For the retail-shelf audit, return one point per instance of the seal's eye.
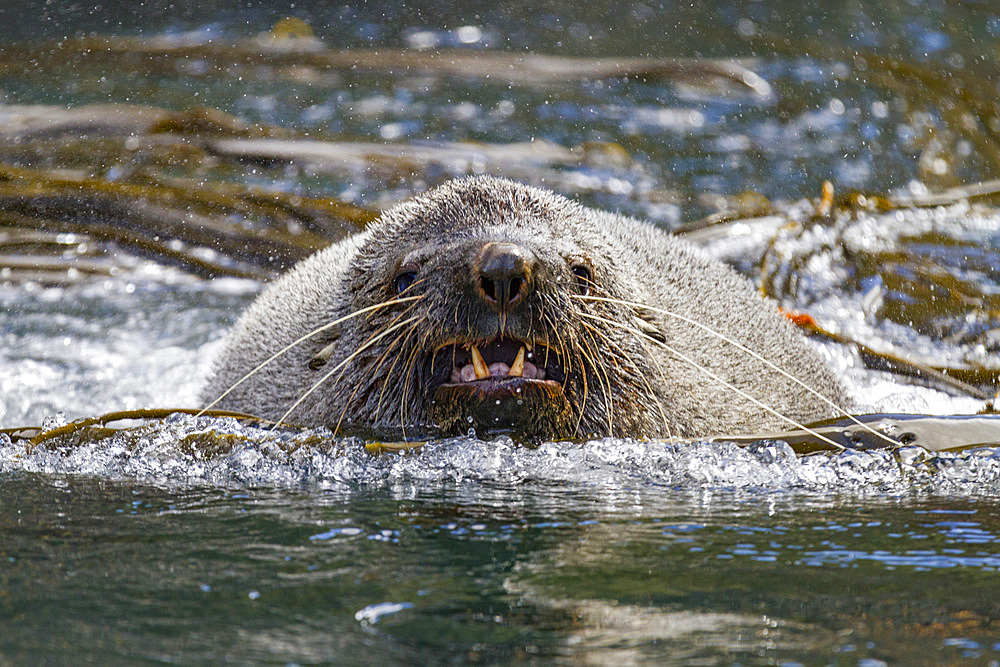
(584, 279)
(404, 280)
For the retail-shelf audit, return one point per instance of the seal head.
(500, 307)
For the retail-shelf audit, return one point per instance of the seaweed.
(200, 444)
(241, 58)
(252, 234)
(939, 434)
(148, 181)
(908, 262)
(34, 436)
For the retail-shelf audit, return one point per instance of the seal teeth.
(479, 364)
(517, 368)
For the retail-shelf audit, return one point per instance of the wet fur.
(620, 381)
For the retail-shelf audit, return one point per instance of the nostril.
(514, 288)
(504, 273)
(493, 294)
(489, 288)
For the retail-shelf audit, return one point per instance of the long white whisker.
(602, 377)
(406, 385)
(645, 380)
(386, 375)
(374, 371)
(752, 353)
(304, 338)
(333, 370)
(718, 379)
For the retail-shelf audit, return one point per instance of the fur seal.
(493, 305)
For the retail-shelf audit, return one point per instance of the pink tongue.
(499, 368)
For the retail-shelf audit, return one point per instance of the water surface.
(207, 541)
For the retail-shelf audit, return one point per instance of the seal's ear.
(642, 323)
(323, 356)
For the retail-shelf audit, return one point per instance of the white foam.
(184, 451)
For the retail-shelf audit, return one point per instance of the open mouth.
(499, 385)
(497, 360)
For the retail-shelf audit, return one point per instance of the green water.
(144, 549)
(489, 572)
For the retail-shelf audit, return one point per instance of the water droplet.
(469, 34)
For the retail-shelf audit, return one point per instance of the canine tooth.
(479, 364)
(517, 368)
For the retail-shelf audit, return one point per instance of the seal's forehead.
(479, 206)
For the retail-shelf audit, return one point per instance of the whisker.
(718, 379)
(749, 351)
(343, 363)
(566, 358)
(304, 338)
(602, 376)
(406, 387)
(395, 340)
(645, 380)
(545, 362)
(378, 365)
(388, 374)
(586, 393)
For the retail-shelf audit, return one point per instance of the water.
(490, 553)
(199, 540)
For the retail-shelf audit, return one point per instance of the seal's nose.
(504, 273)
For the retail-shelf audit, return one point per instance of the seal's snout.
(505, 271)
